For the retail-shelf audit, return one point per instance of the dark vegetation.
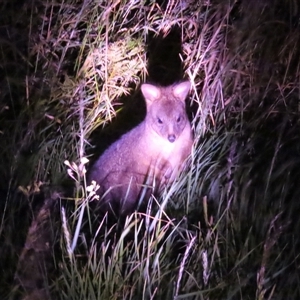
(228, 228)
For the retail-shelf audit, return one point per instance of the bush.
(228, 227)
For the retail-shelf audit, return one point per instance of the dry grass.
(228, 227)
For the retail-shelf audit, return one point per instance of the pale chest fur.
(161, 156)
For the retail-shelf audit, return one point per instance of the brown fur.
(151, 154)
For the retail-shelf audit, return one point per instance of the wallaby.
(149, 156)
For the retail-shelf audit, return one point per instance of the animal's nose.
(171, 138)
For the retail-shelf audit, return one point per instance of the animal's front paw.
(168, 174)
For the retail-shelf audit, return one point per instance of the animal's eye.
(159, 121)
(178, 119)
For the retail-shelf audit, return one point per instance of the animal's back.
(149, 155)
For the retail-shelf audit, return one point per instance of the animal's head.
(166, 113)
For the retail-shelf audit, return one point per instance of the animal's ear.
(150, 92)
(181, 90)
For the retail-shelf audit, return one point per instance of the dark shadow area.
(164, 64)
(18, 211)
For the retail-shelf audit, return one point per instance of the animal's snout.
(171, 138)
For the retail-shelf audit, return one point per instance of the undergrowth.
(228, 227)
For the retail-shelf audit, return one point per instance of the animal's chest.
(162, 152)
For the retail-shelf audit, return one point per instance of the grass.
(228, 227)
